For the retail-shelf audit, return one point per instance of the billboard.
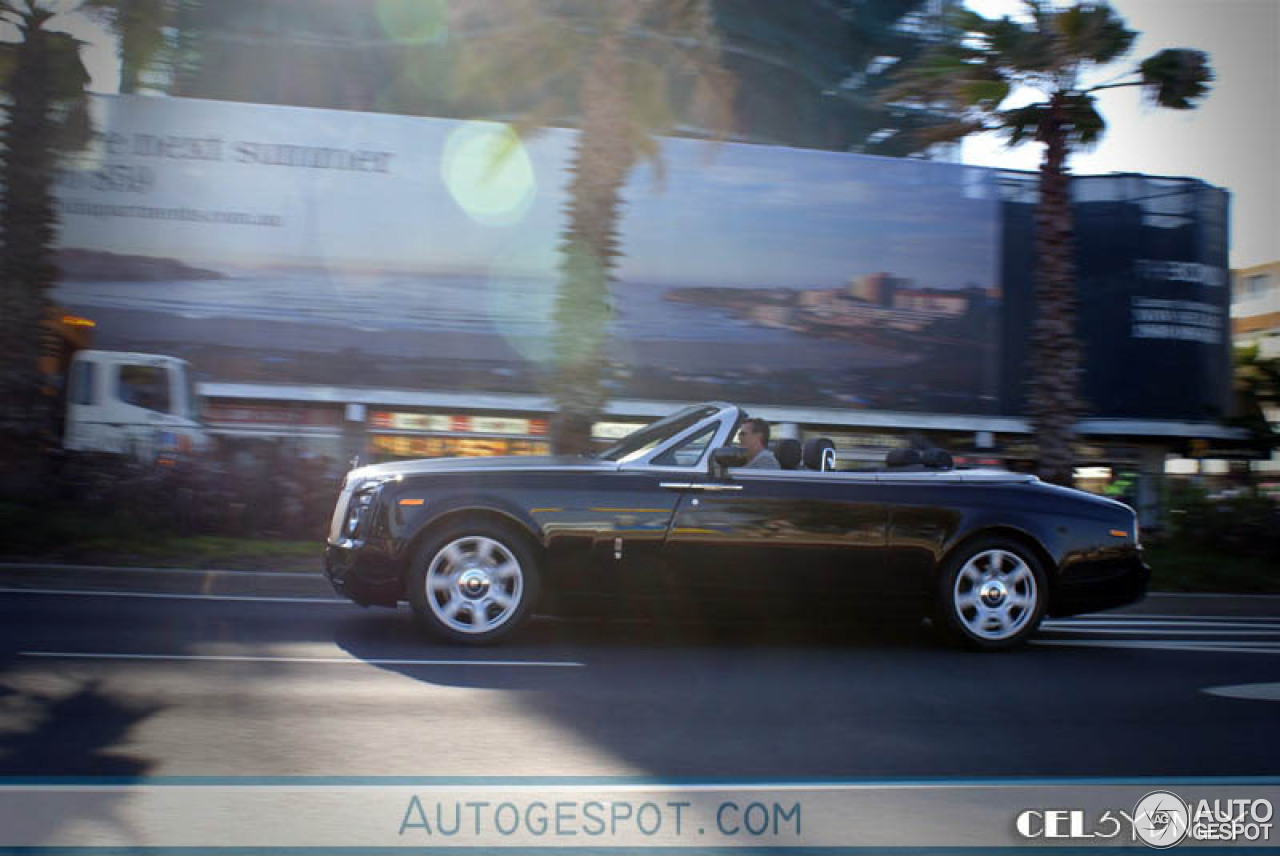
(1154, 295)
(301, 246)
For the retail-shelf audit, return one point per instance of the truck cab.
(143, 405)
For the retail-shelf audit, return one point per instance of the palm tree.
(1054, 52)
(622, 73)
(42, 83)
(1256, 385)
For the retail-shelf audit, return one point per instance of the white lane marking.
(1180, 631)
(1184, 621)
(1163, 594)
(250, 658)
(174, 596)
(1253, 692)
(1163, 645)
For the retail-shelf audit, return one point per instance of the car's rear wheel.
(992, 595)
(473, 582)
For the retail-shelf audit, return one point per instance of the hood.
(1086, 497)
(510, 463)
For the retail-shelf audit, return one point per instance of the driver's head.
(754, 435)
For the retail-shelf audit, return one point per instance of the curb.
(175, 581)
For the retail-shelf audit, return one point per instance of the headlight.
(357, 510)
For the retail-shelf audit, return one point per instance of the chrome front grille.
(339, 514)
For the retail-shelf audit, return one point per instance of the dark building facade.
(1154, 301)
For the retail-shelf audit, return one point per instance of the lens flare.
(521, 294)
(489, 173)
(414, 21)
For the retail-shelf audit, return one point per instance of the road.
(202, 674)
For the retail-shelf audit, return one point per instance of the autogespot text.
(598, 819)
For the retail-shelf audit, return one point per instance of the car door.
(798, 536)
(626, 514)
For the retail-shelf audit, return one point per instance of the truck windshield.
(144, 386)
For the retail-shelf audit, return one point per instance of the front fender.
(413, 514)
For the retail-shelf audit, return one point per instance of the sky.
(1232, 140)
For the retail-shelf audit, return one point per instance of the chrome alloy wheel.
(995, 595)
(474, 584)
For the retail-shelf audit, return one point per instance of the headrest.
(819, 454)
(902, 458)
(787, 451)
(938, 459)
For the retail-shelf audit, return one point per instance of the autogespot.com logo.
(1161, 819)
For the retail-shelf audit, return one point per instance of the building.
(1255, 321)
(876, 288)
(1255, 308)
(932, 300)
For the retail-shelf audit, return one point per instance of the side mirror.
(725, 458)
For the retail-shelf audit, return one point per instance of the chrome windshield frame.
(726, 417)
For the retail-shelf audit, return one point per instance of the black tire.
(474, 581)
(992, 595)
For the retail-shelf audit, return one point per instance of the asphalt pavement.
(195, 673)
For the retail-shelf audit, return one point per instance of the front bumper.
(362, 574)
(1101, 585)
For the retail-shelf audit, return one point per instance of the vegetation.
(43, 85)
(1256, 384)
(1218, 543)
(980, 69)
(622, 73)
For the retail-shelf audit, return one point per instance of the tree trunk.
(28, 226)
(601, 161)
(1053, 397)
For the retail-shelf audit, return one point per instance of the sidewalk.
(292, 584)
(163, 580)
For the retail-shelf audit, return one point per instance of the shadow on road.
(783, 701)
(51, 734)
(69, 734)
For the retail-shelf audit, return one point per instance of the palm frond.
(1094, 33)
(8, 56)
(1083, 122)
(70, 77)
(1023, 123)
(1176, 78)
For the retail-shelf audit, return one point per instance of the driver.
(754, 437)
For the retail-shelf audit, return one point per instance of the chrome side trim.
(940, 477)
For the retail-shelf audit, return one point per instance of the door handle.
(715, 488)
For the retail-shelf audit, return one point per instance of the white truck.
(142, 405)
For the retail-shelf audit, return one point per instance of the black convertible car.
(668, 519)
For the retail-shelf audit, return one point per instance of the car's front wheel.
(992, 594)
(473, 582)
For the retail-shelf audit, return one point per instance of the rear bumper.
(1101, 585)
(363, 575)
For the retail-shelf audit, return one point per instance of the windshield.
(640, 442)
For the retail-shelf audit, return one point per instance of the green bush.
(1243, 525)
